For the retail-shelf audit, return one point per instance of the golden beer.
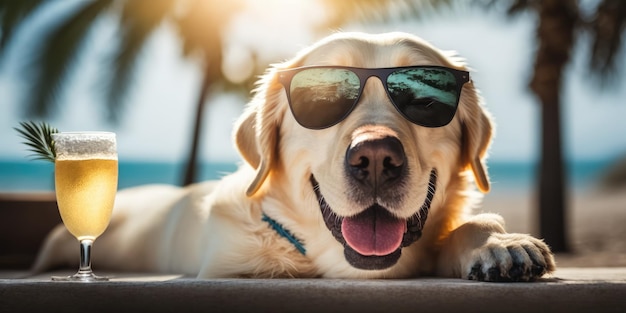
(85, 191)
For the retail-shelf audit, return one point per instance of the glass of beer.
(85, 179)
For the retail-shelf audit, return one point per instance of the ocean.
(26, 176)
(29, 176)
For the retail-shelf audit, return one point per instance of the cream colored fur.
(215, 229)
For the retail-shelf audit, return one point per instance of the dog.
(362, 157)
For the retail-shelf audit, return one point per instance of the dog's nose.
(376, 162)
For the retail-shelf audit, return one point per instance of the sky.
(156, 123)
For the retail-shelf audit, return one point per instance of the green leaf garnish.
(39, 139)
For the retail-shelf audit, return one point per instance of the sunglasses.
(322, 96)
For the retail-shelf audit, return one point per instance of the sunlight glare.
(268, 31)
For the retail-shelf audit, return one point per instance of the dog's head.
(374, 176)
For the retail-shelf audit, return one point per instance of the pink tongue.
(373, 232)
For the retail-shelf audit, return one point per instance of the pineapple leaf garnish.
(38, 138)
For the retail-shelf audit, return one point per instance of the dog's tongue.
(373, 232)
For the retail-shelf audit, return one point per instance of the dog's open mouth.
(373, 239)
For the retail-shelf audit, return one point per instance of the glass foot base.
(81, 277)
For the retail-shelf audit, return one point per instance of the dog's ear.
(245, 138)
(257, 130)
(477, 132)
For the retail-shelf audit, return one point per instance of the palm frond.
(201, 28)
(520, 6)
(512, 8)
(57, 54)
(202, 37)
(607, 28)
(38, 138)
(139, 19)
(12, 14)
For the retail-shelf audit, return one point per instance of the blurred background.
(171, 76)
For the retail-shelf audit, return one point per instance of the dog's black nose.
(376, 163)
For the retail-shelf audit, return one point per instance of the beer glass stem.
(85, 257)
(84, 273)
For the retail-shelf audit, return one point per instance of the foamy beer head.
(85, 145)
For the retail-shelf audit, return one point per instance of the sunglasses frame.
(285, 77)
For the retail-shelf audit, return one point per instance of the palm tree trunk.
(192, 166)
(555, 34)
(552, 186)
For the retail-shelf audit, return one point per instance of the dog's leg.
(481, 250)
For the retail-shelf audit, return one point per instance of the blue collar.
(285, 233)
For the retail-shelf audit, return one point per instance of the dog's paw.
(510, 258)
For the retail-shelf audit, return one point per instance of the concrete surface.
(569, 290)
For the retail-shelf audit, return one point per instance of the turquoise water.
(39, 175)
(27, 175)
(513, 175)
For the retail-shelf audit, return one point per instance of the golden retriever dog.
(362, 157)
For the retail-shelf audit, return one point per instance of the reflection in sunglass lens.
(322, 97)
(426, 96)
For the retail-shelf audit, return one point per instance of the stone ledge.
(569, 290)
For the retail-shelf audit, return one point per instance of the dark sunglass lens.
(321, 97)
(426, 96)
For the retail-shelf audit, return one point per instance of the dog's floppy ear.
(477, 133)
(245, 137)
(257, 130)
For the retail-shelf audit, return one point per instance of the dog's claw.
(517, 273)
(476, 273)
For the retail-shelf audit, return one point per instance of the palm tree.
(555, 34)
(561, 24)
